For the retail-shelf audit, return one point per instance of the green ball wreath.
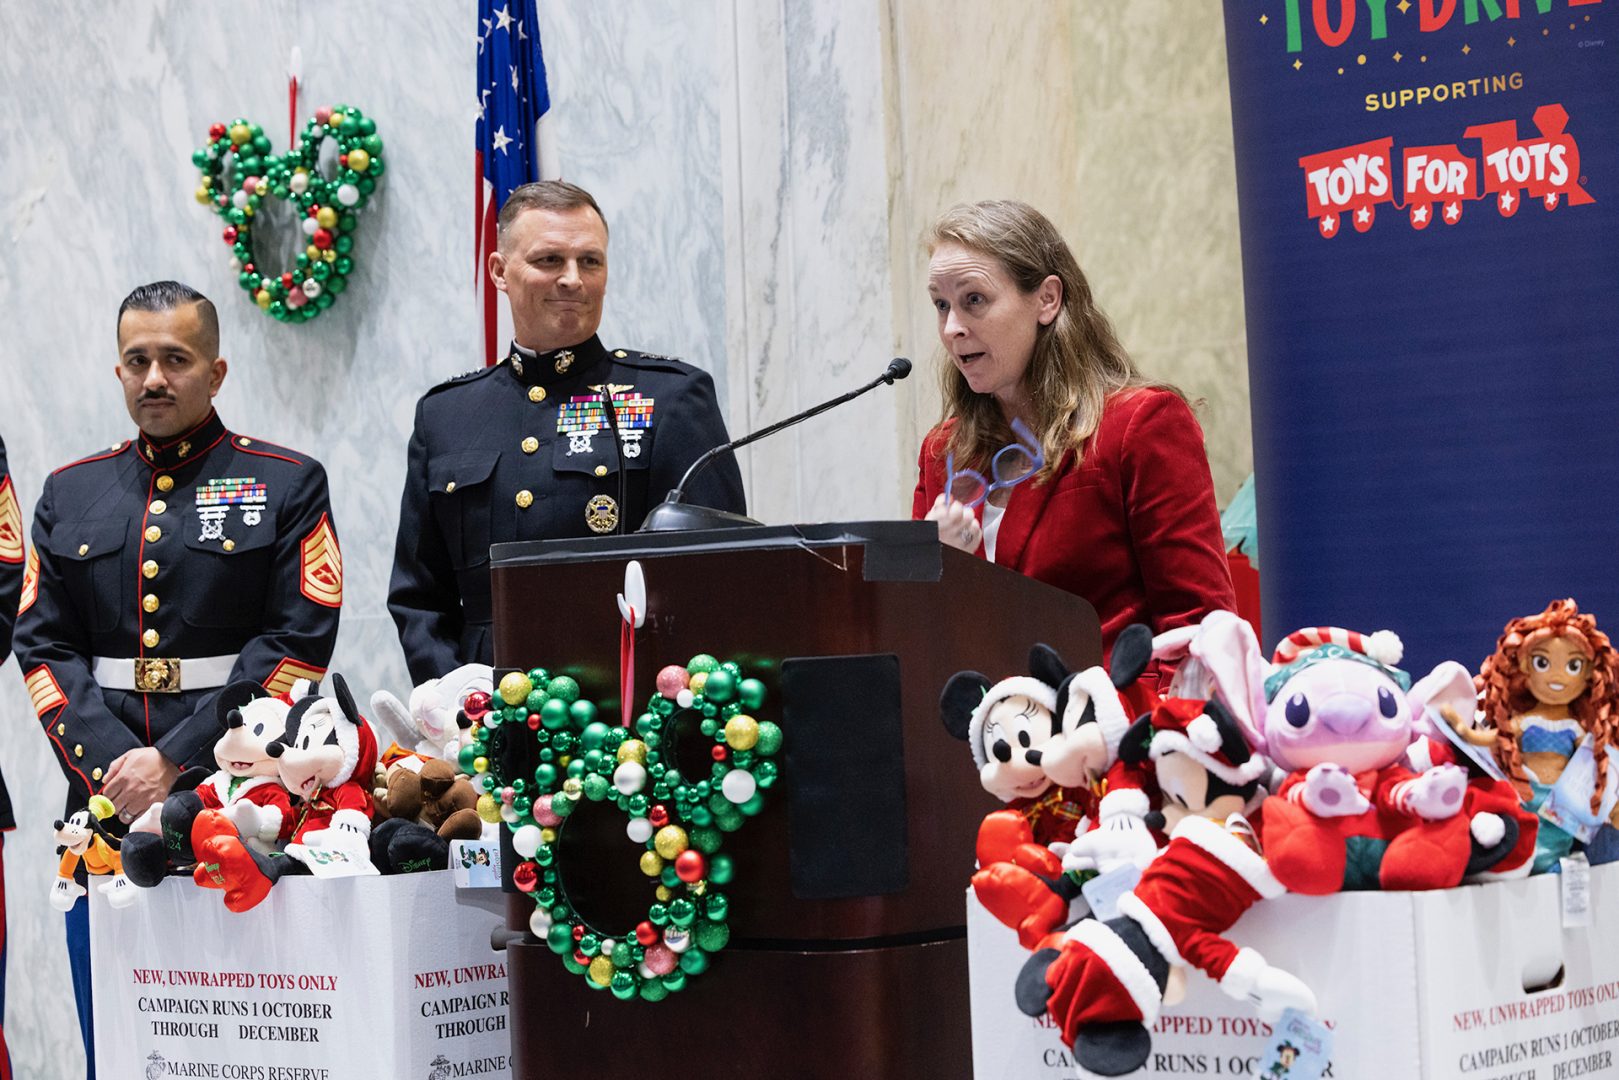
(678, 821)
(239, 172)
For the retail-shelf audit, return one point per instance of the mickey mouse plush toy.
(1047, 745)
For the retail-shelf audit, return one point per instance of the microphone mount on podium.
(674, 514)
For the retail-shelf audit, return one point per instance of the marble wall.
(767, 170)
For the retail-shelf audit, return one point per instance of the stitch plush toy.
(1044, 743)
(1351, 814)
(84, 843)
(325, 756)
(244, 790)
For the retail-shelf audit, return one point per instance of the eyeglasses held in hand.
(1011, 465)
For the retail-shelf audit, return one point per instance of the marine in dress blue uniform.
(526, 450)
(13, 557)
(159, 573)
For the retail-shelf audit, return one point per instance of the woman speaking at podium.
(1055, 456)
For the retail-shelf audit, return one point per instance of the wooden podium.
(848, 944)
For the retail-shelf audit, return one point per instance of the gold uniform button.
(153, 534)
(449, 488)
(78, 751)
(159, 506)
(61, 729)
(165, 483)
(536, 394)
(149, 569)
(601, 470)
(229, 545)
(84, 549)
(530, 445)
(244, 442)
(620, 353)
(149, 603)
(525, 499)
(150, 639)
(95, 774)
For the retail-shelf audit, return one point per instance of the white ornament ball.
(239, 200)
(639, 830)
(313, 288)
(526, 841)
(508, 815)
(311, 226)
(685, 698)
(677, 939)
(348, 194)
(739, 785)
(236, 264)
(540, 921)
(629, 778)
(299, 183)
(646, 972)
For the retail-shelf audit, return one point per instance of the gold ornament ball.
(572, 787)
(741, 732)
(670, 841)
(601, 971)
(359, 160)
(548, 836)
(651, 865)
(632, 750)
(202, 195)
(698, 681)
(313, 252)
(262, 187)
(480, 764)
(326, 217)
(515, 688)
(489, 808)
(247, 211)
(262, 298)
(664, 894)
(240, 133)
(336, 121)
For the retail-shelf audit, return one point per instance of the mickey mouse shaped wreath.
(238, 171)
(678, 821)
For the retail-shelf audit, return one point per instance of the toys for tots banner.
(1429, 196)
(326, 980)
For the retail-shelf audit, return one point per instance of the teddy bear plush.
(421, 805)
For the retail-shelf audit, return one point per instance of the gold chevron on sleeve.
(30, 582)
(11, 543)
(290, 671)
(322, 571)
(45, 691)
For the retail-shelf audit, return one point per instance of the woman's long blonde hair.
(1078, 362)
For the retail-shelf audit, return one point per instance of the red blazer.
(1133, 529)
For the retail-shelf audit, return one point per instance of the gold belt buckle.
(157, 675)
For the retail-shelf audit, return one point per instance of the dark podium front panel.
(847, 952)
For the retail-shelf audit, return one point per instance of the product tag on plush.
(1576, 876)
(476, 864)
(1299, 1049)
(1102, 892)
(331, 862)
(1478, 755)
(1568, 804)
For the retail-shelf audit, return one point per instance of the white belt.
(163, 675)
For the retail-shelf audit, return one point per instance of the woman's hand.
(957, 525)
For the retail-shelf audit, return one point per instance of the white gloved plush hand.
(65, 892)
(1270, 990)
(1116, 841)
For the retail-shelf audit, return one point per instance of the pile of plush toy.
(1327, 769)
(300, 779)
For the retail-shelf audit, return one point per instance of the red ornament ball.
(718, 752)
(689, 866)
(286, 279)
(216, 132)
(476, 706)
(322, 239)
(230, 234)
(646, 933)
(526, 876)
(658, 816)
(578, 932)
(533, 721)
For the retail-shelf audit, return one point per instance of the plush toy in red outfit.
(243, 791)
(325, 756)
(1351, 814)
(1103, 983)
(1047, 744)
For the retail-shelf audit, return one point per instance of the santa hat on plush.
(1044, 664)
(344, 753)
(1317, 644)
(1206, 734)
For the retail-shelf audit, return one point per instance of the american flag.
(514, 143)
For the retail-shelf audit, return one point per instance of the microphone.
(675, 515)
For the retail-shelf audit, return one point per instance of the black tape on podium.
(845, 776)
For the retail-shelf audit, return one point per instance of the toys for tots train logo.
(1347, 185)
